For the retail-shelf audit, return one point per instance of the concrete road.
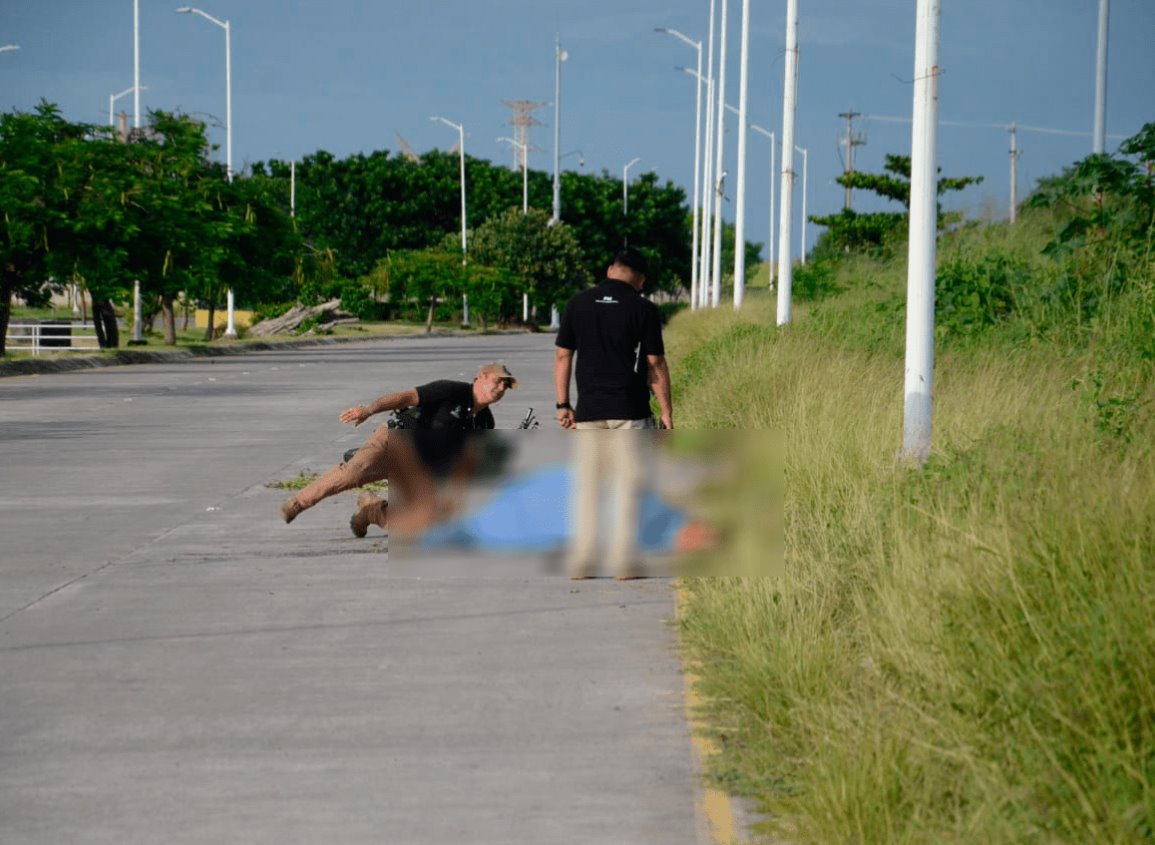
(179, 666)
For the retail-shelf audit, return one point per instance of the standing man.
(616, 335)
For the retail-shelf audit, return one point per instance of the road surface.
(179, 666)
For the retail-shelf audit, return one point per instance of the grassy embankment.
(962, 652)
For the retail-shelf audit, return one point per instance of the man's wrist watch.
(564, 406)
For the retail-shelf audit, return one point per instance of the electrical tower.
(522, 119)
(407, 150)
(850, 140)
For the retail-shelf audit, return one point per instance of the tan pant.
(387, 454)
(611, 456)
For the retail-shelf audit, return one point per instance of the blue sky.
(349, 75)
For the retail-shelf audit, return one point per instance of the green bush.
(815, 280)
(270, 310)
(973, 294)
(358, 300)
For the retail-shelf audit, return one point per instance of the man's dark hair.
(632, 258)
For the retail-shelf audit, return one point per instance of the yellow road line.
(715, 803)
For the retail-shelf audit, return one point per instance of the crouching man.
(431, 443)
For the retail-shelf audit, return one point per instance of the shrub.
(974, 294)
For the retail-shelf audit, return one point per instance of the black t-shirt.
(442, 419)
(613, 328)
(448, 405)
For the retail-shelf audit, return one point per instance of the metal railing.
(51, 336)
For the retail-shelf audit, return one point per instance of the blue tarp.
(531, 514)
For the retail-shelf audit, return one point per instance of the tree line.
(82, 205)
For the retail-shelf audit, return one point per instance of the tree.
(851, 231)
(35, 217)
(362, 208)
(260, 245)
(423, 276)
(177, 232)
(544, 260)
(657, 224)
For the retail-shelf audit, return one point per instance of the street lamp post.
(720, 173)
(112, 98)
(461, 154)
(708, 175)
(770, 242)
(524, 150)
(740, 210)
(559, 56)
(694, 246)
(137, 326)
(625, 186)
(230, 328)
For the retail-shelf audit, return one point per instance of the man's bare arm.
(659, 377)
(389, 402)
(562, 369)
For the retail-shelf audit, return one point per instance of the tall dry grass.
(960, 652)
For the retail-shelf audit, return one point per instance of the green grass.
(304, 478)
(954, 653)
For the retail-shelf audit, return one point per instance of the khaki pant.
(387, 454)
(614, 457)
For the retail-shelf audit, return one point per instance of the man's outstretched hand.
(356, 415)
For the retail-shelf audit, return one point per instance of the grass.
(954, 653)
(304, 478)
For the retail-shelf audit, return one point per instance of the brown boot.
(370, 511)
(290, 509)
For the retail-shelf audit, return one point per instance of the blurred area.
(591, 504)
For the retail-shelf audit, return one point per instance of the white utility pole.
(708, 171)
(805, 167)
(740, 208)
(719, 174)
(919, 381)
(136, 65)
(559, 56)
(293, 188)
(1098, 144)
(786, 218)
(694, 243)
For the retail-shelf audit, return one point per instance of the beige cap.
(499, 370)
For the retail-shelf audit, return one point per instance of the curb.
(41, 366)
